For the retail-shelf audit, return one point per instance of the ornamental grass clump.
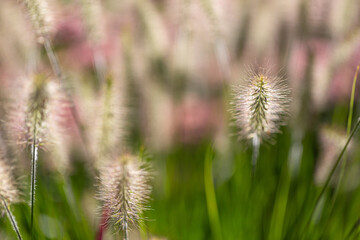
(124, 191)
(260, 107)
(9, 193)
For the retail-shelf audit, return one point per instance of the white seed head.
(261, 104)
(37, 111)
(27, 112)
(40, 15)
(108, 127)
(8, 188)
(125, 190)
(332, 141)
(58, 140)
(93, 19)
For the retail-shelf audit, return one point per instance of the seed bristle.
(260, 105)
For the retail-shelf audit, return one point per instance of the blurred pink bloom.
(69, 30)
(77, 50)
(197, 119)
(343, 77)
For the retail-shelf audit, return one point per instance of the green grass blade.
(343, 164)
(352, 102)
(210, 195)
(324, 188)
(279, 210)
(353, 229)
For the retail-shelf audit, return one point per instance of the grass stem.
(210, 195)
(280, 205)
(255, 153)
(343, 164)
(12, 220)
(34, 158)
(351, 109)
(54, 62)
(126, 230)
(324, 188)
(353, 229)
(352, 102)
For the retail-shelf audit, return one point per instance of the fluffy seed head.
(36, 112)
(260, 105)
(8, 188)
(27, 112)
(108, 127)
(40, 15)
(93, 19)
(332, 141)
(125, 190)
(57, 138)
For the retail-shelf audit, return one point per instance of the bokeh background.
(174, 63)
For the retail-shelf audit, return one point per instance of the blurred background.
(173, 64)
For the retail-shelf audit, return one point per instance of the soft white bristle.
(8, 187)
(261, 103)
(124, 190)
(40, 15)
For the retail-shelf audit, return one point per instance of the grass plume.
(261, 103)
(109, 127)
(42, 21)
(124, 191)
(40, 15)
(35, 123)
(9, 192)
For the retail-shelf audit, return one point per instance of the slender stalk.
(332, 173)
(255, 153)
(54, 62)
(34, 158)
(343, 164)
(210, 195)
(279, 209)
(12, 220)
(352, 101)
(353, 229)
(125, 230)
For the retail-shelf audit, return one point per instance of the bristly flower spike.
(260, 107)
(28, 122)
(9, 193)
(40, 16)
(109, 134)
(37, 109)
(124, 191)
(35, 122)
(8, 189)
